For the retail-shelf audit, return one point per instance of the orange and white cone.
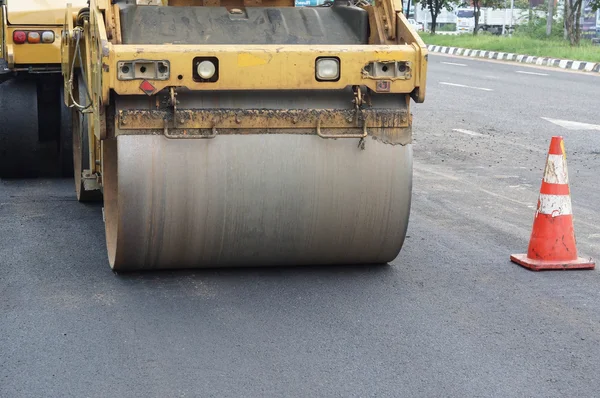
(552, 244)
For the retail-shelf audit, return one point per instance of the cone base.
(540, 265)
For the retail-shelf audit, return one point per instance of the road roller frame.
(392, 64)
(35, 133)
(393, 42)
(28, 16)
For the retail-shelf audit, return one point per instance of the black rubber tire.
(19, 137)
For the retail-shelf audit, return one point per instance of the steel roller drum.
(254, 200)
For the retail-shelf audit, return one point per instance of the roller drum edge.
(254, 200)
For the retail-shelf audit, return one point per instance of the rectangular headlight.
(327, 69)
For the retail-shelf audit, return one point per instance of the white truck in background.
(490, 20)
(444, 18)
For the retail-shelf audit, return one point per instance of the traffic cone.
(552, 244)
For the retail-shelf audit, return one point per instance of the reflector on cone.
(552, 244)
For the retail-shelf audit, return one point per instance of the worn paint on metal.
(266, 189)
(288, 67)
(40, 12)
(387, 125)
(35, 15)
(284, 68)
(136, 119)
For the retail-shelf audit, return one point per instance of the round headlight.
(206, 69)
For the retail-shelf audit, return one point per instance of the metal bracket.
(173, 103)
(358, 98)
(185, 134)
(5, 72)
(358, 102)
(4, 66)
(90, 181)
(320, 134)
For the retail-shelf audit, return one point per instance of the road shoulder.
(553, 63)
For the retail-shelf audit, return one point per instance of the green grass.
(553, 48)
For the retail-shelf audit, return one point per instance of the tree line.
(571, 13)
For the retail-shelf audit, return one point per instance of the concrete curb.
(526, 59)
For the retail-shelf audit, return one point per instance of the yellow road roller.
(35, 126)
(225, 133)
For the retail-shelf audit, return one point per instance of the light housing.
(48, 37)
(327, 69)
(33, 37)
(143, 70)
(205, 69)
(19, 37)
(394, 70)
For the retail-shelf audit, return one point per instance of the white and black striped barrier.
(526, 59)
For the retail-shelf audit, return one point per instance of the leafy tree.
(435, 7)
(540, 25)
(477, 4)
(549, 16)
(572, 20)
(477, 14)
(522, 4)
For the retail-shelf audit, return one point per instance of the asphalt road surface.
(451, 316)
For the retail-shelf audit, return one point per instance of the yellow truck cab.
(35, 126)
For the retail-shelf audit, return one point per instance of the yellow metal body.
(242, 67)
(33, 15)
(265, 67)
(260, 67)
(171, 203)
